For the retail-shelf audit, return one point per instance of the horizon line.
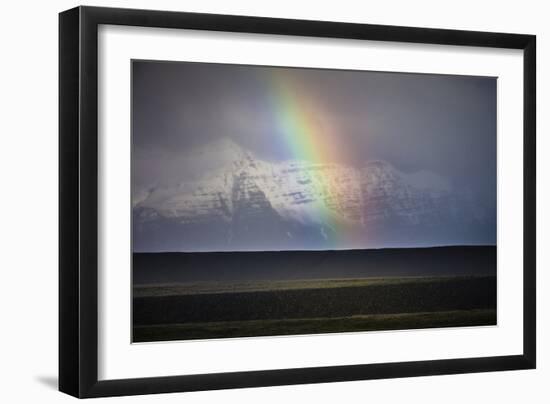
(316, 250)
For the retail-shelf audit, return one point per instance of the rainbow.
(308, 138)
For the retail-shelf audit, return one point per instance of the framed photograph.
(251, 201)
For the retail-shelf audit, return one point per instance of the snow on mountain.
(246, 193)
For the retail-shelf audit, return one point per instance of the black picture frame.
(78, 201)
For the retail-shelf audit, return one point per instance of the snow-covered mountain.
(248, 203)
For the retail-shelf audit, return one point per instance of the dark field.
(373, 322)
(171, 268)
(174, 313)
(202, 308)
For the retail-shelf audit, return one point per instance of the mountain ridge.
(299, 202)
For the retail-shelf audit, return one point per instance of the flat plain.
(208, 310)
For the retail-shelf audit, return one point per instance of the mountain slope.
(248, 203)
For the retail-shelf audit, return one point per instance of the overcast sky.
(439, 123)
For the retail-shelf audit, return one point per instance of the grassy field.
(194, 288)
(372, 322)
(205, 310)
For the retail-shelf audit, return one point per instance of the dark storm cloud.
(439, 123)
(445, 124)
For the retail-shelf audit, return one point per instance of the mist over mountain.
(229, 157)
(242, 202)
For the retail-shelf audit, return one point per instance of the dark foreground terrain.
(178, 306)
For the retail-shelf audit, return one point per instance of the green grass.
(195, 288)
(373, 322)
(208, 310)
